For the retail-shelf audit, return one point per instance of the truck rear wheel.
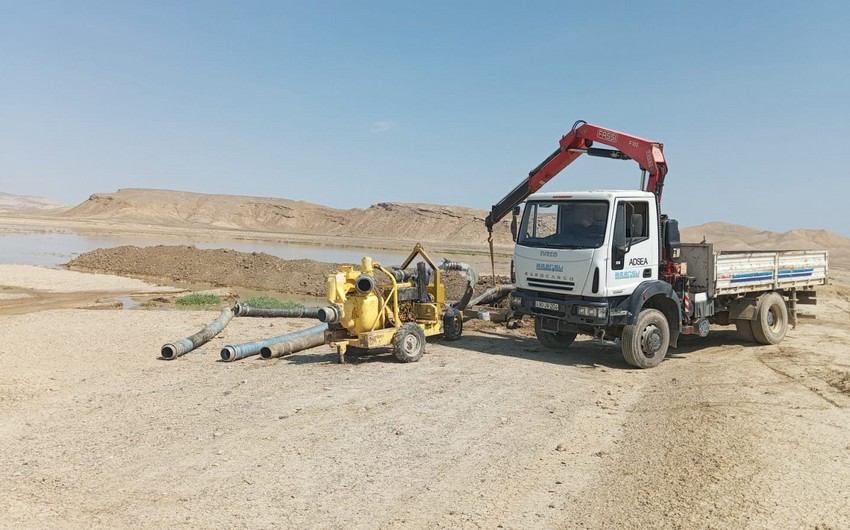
(771, 321)
(555, 341)
(646, 341)
(745, 330)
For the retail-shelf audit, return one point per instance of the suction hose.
(471, 279)
(297, 341)
(492, 294)
(173, 350)
(244, 310)
(240, 351)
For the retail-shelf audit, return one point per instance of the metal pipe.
(175, 349)
(492, 294)
(364, 283)
(235, 352)
(244, 310)
(300, 340)
(330, 315)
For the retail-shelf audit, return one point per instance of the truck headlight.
(592, 312)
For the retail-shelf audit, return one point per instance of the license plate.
(551, 306)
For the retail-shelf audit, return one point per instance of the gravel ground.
(489, 431)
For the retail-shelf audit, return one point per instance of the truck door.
(634, 246)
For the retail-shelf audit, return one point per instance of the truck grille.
(551, 284)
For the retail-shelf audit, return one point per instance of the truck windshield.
(565, 224)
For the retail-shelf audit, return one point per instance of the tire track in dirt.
(727, 441)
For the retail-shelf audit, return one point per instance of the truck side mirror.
(514, 228)
(637, 225)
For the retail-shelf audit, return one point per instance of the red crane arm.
(648, 154)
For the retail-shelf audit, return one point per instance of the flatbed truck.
(609, 264)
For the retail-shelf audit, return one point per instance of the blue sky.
(349, 104)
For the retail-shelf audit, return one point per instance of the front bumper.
(573, 310)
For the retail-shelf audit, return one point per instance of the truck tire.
(771, 321)
(745, 330)
(409, 343)
(555, 341)
(646, 341)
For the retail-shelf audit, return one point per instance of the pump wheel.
(409, 343)
(646, 341)
(554, 341)
(745, 330)
(452, 324)
(771, 321)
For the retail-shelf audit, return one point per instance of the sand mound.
(226, 268)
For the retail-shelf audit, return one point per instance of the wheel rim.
(411, 344)
(651, 340)
(772, 319)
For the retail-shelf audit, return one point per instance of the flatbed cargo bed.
(721, 273)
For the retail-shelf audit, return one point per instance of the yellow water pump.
(400, 312)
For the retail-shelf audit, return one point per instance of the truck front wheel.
(771, 321)
(646, 341)
(555, 341)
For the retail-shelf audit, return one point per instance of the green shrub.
(198, 299)
(268, 301)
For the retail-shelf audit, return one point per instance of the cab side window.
(631, 226)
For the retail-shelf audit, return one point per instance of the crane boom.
(648, 154)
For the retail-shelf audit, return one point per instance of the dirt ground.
(490, 431)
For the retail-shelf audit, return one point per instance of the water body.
(57, 248)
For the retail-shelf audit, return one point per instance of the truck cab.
(588, 262)
(591, 244)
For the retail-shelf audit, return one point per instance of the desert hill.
(388, 220)
(726, 236)
(9, 201)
